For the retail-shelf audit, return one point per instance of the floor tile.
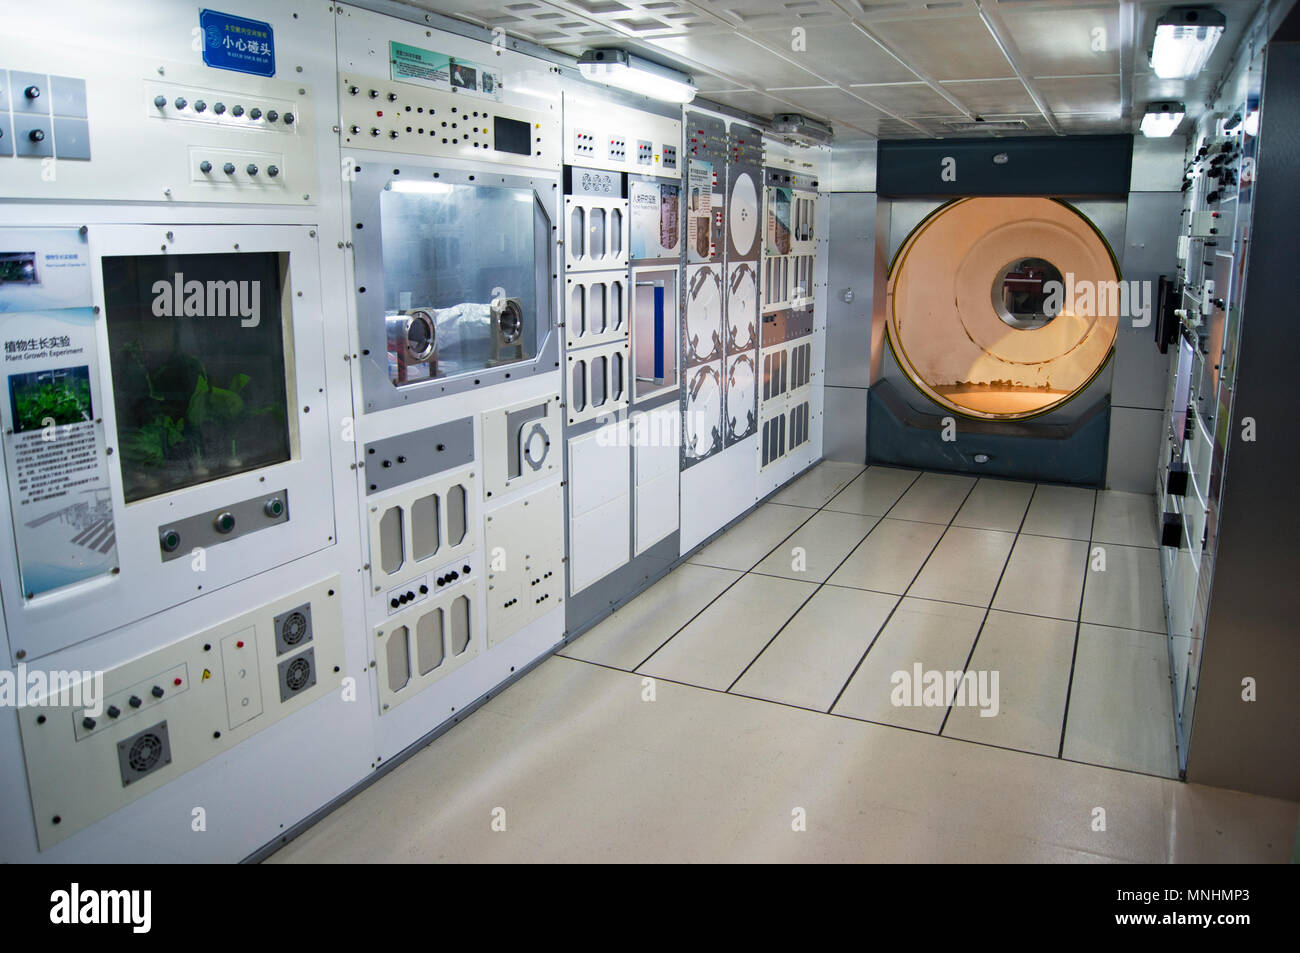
(819, 484)
(1044, 577)
(933, 498)
(627, 637)
(713, 649)
(964, 567)
(995, 504)
(937, 635)
(752, 538)
(1125, 518)
(890, 557)
(1031, 657)
(1128, 593)
(588, 771)
(874, 491)
(1121, 710)
(815, 654)
(1064, 511)
(824, 540)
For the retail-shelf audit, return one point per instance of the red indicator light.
(177, 682)
(239, 644)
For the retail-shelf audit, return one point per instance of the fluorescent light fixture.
(622, 69)
(1162, 119)
(1252, 123)
(1185, 39)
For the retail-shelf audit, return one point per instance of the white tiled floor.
(582, 768)
(777, 689)
(1033, 581)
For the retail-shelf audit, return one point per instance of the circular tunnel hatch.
(1003, 308)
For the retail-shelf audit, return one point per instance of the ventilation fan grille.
(1007, 125)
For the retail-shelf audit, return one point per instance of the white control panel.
(525, 545)
(401, 117)
(602, 135)
(123, 127)
(166, 712)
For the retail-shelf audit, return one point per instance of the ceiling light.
(1162, 119)
(1185, 38)
(802, 130)
(636, 75)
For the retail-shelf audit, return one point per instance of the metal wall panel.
(845, 434)
(851, 259)
(1251, 629)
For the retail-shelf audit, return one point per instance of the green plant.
(151, 443)
(63, 402)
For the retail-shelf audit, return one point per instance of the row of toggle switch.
(229, 168)
(254, 113)
(135, 701)
(398, 600)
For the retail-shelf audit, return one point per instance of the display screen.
(511, 135)
(198, 359)
(461, 266)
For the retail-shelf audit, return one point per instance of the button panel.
(417, 590)
(399, 117)
(141, 696)
(215, 107)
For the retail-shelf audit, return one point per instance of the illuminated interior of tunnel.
(1003, 308)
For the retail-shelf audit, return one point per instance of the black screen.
(512, 136)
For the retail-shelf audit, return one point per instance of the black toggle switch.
(113, 711)
(134, 701)
(88, 723)
(156, 691)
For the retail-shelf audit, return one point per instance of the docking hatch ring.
(1003, 308)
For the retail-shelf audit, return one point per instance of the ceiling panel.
(840, 54)
(947, 48)
(907, 99)
(992, 95)
(760, 104)
(1065, 41)
(1080, 94)
(733, 56)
